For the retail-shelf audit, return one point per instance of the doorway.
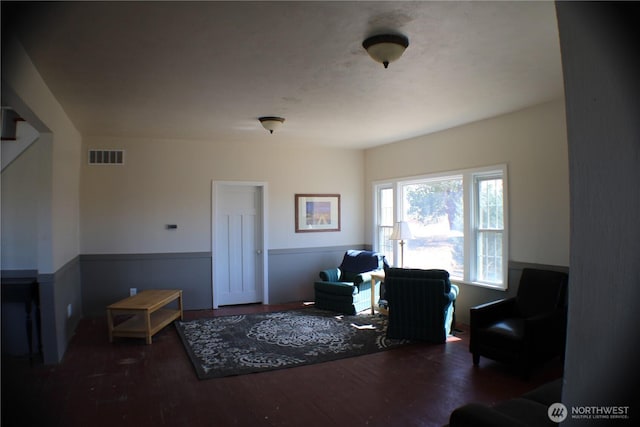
(239, 261)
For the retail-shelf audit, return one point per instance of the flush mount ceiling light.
(271, 123)
(385, 48)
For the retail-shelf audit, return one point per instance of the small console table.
(377, 276)
(148, 311)
(25, 290)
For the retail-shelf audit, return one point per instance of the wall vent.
(106, 157)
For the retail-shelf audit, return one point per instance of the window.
(458, 221)
(489, 228)
(385, 222)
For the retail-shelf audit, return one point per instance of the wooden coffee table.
(148, 311)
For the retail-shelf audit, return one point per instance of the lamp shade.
(385, 48)
(401, 231)
(271, 123)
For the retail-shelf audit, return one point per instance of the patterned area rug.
(236, 345)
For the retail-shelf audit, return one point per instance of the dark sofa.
(530, 409)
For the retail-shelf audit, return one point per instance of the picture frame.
(317, 212)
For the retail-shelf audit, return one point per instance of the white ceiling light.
(271, 123)
(385, 48)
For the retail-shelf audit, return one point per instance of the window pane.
(490, 204)
(435, 213)
(490, 230)
(490, 256)
(385, 226)
(386, 245)
(386, 207)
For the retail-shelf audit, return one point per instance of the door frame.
(216, 187)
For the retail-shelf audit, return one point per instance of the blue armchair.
(347, 288)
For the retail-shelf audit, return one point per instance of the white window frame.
(377, 214)
(470, 200)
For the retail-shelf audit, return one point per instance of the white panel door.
(238, 261)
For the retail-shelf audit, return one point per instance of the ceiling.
(208, 70)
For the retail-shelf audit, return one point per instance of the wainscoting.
(108, 278)
(293, 271)
(89, 283)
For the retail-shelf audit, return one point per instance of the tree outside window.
(435, 211)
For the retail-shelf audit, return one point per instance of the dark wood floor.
(129, 383)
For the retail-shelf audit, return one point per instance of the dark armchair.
(529, 409)
(347, 288)
(421, 304)
(525, 330)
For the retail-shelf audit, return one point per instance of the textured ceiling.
(208, 70)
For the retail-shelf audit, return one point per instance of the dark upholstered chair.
(529, 409)
(347, 288)
(421, 304)
(525, 330)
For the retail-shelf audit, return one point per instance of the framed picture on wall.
(317, 212)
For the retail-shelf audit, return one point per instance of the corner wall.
(601, 69)
(533, 144)
(57, 217)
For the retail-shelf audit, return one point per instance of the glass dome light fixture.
(385, 48)
(271, 123)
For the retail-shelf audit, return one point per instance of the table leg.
(110, 324)
(38, 324)
(148, 322)
(27, 309)
(373, 295)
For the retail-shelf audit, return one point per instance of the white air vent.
(106, 157)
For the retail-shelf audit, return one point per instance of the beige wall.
(21, 186)
(125, 209)
(531, 142)
(58, 211)
(56, 158)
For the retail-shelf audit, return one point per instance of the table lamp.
(402, 232)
